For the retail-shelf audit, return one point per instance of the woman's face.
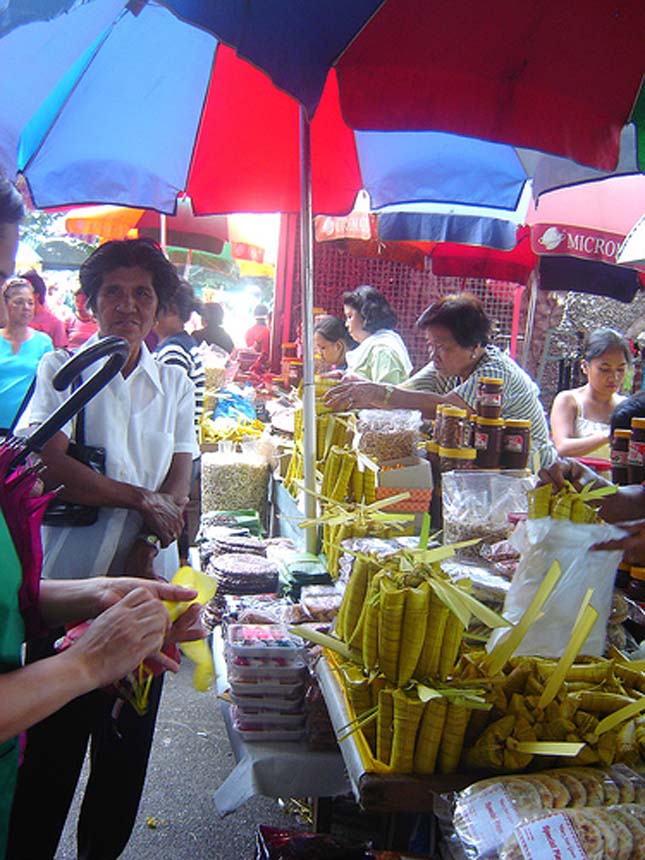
(354, 323)
(20, 306)
(331, 351)
(126, 304)
(606, 372)
(449, 357)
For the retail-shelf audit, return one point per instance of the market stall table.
(272, 769)
(374, 792)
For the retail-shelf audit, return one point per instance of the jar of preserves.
(516, 443)
(456, 458)
(453, 420)
(437, 423)
(488, 442)
(489, 397)
(619, 456)
(636, 453)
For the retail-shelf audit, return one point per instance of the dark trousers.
(56, 747)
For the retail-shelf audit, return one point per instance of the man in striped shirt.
(457, 330)
(177, 347)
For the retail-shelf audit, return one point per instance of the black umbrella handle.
(117, 348)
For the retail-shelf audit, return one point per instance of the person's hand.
(163, 515)
(354, 395)
(111, 589)
(188, 626)
(573, 471)
(122, 636)
(632, 545)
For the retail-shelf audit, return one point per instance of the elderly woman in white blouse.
(144, 418)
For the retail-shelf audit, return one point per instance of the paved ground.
(191, 757)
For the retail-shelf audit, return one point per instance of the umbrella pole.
(530, 318)
(307, 288)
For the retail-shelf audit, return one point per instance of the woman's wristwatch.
(389, 391)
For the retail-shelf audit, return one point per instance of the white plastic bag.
(541, 542)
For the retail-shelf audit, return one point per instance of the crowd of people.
(145, 421)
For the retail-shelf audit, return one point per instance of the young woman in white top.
(580, 417)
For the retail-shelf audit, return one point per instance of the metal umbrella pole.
(307, 291)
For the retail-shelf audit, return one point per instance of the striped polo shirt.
(521, 399)
(182, 350)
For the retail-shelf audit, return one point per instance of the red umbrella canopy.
(562, 77)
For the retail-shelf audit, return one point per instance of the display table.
(272, 769)
(376, 792)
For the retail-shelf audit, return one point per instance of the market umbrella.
(632, 250)
(206, 233)
(559, 77)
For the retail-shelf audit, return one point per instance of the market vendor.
(457, 331)
(381, 355)
(332, 342)
(580, 416)
(144, 419)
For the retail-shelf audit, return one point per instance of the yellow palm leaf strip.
(407, 713)
(428, 663)
(357, 483)
(587, 617)
(384, 726)
(321, 434)
(359, 695)
(631, 678)
(619, 716)
(452, 639)
(341, 533)
(369, 486)
(452, 740)
(340, 432)
(331, 470)
(339, 491)
(353, 599)
(429, 735)
(501, 653)
(326, 641)
(371, 624)
(377, 683)
(413, 630)
(391, 608)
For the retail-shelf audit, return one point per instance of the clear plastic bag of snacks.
(388, 434)
(478, 821)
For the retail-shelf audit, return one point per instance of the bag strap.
(79, 423)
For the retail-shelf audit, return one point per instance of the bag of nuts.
(388, 434)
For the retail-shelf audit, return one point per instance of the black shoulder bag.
(69, 514)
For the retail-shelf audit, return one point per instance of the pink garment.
(45, 321)
(79, 331)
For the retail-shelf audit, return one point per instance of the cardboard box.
(412, 473)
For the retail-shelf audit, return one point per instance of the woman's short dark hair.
(333, 329)
(602, 339)
(128, 253)
(40, 287)
(463, 315)
(373, 307)
(12, 209)
(213, 313)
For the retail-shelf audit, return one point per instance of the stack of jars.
(485, 440)
(628, 454)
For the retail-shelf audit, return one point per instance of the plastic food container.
(253, 730)
(244, 688)
(263, 640)
(253, 719)
(270, 669)
(288, 703)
